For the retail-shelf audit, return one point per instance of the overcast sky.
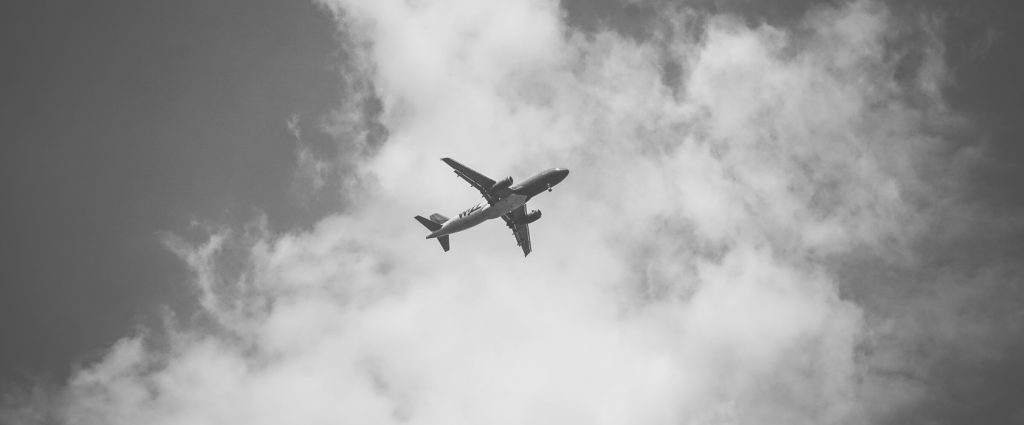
(778, 212)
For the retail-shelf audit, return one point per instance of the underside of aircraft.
(501, 199)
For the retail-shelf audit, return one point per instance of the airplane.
(501, 199)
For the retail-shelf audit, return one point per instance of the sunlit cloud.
(689, 270)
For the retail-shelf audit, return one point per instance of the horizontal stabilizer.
(444, 242)
(431, 225)
(438, 218)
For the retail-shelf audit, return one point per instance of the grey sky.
(127, 121)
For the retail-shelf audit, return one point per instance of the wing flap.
(479, 181)
(520, 231)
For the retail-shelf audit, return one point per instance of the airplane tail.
(433, 224)
(430, 225)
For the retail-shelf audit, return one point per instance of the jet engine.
(503, 184)
(531, 217)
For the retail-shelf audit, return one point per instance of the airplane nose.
(557, 175)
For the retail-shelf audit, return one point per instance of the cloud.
(705, 262)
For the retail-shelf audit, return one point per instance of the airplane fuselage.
(518, 196)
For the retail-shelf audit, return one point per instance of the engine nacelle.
(531, 217)
(504, 184)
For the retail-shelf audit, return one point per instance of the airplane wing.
(520, 231)
(475, 179)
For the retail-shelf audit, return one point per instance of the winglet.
(455, 164)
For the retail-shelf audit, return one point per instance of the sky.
(778, 212)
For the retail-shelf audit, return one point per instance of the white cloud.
(683, 273)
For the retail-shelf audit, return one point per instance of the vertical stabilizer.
(434, 225)
(430, 225)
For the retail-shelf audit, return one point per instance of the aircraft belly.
(463, 223)
(505, 205)
(500, 208)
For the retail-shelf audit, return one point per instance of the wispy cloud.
(709, 260)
